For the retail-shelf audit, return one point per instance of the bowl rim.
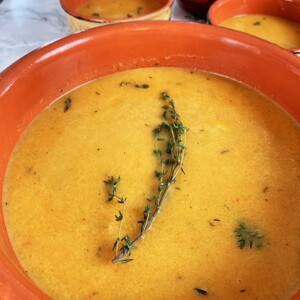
(95, 20)
(52, 48)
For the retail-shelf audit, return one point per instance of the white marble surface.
(29, 24)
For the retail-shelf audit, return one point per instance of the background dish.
(79, 22)
(52, 71)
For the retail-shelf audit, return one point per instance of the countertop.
(30, 24)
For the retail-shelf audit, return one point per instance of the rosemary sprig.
(170, 138)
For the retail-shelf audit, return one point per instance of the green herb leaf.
(247, 236)
(142, 86)
(68, 103)
(116, 243)
(124, 83)
(125, 261)
(201, 292)
(113, 184)
(166, 96)
(157, 153)
(119, 217)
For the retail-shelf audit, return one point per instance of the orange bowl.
(32, 83)
(222, 10)
(79, 22)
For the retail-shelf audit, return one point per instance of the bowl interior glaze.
(32, 83)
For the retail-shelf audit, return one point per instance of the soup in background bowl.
(82, 14)
(33, 83)
(274, 21)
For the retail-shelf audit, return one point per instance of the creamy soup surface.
(241, 173)
(277, 30)
(118, 9)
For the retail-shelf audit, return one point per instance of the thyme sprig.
(170, 139)
(113, 184)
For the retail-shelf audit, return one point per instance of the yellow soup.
(118, 9)
(279, 31)
(229, 227)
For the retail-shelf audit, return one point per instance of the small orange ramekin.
(78, 22)
(222, 10)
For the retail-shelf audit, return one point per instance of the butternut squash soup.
(118, 9)
(277, 30)
(160, 183)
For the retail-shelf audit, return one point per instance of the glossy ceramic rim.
(100, 51)
(70, 11)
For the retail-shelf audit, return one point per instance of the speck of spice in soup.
(228, 225)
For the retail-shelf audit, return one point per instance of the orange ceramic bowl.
(31, 84)
(222, 10)
(80, 22)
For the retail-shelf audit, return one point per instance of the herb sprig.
(113, 184)
(170, 139)
(248, 236)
